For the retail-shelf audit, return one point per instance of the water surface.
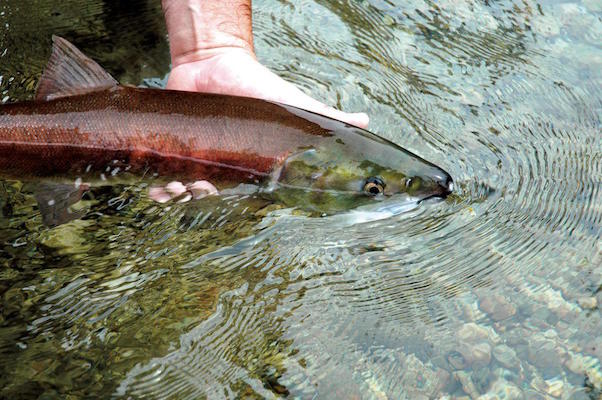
(494, 292)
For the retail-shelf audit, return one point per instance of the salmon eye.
(374, 185)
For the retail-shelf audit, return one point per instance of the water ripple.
(232, 297)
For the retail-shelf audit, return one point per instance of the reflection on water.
(495, 291)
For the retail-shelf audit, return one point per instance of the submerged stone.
(506, 356)
(497, 307)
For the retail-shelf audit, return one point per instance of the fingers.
(180, 192)
(159, 194)
(200, 189)
(360, 120)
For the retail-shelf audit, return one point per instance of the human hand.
(236, 71)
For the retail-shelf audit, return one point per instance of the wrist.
(199, 29)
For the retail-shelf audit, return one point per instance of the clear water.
(494, 292)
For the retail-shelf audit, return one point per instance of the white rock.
(587, 302)
(554, 387)
(502, 389)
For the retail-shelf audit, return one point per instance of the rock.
(578, 363)
(477, 355)
(68, 238)
(506, 356)
(565, 330)
(267, 209)
(375, 389)
(587, 303)
(554, 387)
(594, 375)
(497, 307)
(557, 304)
(517, 336)
(542, 353)
(456, 360)
(388, 20)
(467, 385)
(502, 389)
(420, 380)
(481, 379)
(442, 379)
(472, 332)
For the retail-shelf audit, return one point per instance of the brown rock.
(543, 353)
(497, 307)
(476, 354)
(587, 303)
(506, 356)
(472, 332)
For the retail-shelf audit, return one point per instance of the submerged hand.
(236, 71)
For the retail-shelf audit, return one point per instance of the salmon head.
(354, 167)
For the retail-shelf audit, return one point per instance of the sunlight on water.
(495, 291)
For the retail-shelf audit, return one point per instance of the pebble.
(472, 332)
(554, 387)
(506, 356)
(467, 384)
(587, 303)
(497, 307)
(557, 304)
(388, 20)
(477, 355)
(420, 380)
(376, 390)
(267, 209)
(578, 363)
(594, 375)
(502, 389)
(456, 360)
(542, 353)
(481, 378)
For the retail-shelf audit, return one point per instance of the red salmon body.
(175, 134)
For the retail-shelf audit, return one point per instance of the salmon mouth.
(448, 187)
(445, 187)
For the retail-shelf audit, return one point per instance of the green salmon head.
(353, 168)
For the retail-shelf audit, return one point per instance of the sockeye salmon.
(83, 123)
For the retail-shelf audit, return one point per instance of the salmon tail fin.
(69, 72)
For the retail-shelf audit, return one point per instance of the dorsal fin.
(69, 72)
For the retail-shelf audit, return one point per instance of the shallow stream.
(494, 292)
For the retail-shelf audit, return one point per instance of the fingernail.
(361, 120)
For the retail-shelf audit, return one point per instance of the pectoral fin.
(69, 72)
(55, 201)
